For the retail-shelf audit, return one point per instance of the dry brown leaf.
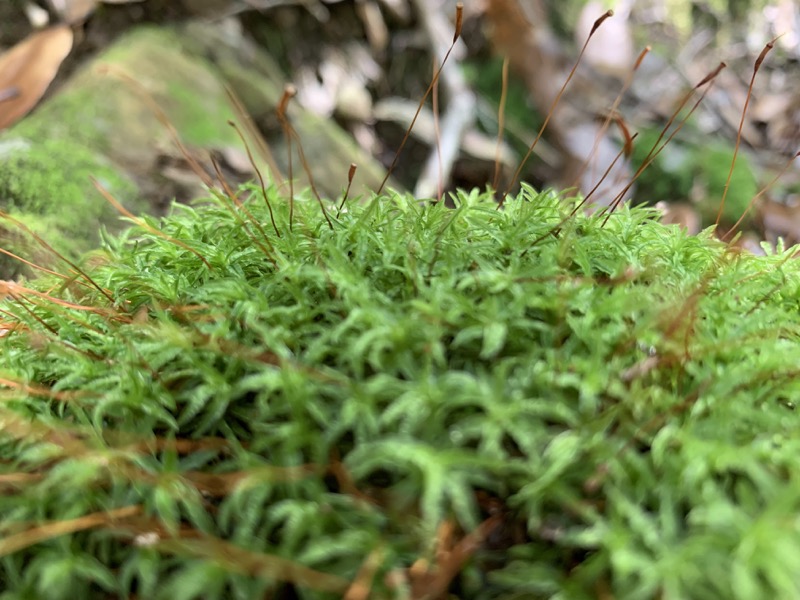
(8, 93)
(29, 68)
(770, 106)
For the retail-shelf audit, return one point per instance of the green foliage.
(238, 414)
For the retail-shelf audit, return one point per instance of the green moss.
(194, 117)
(617, 399)
(713, 164)
(184, 86)
(47, 185)
(77, 116)
(52, 175)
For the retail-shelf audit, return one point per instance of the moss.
(712, 166)
(53, 174)
(224, 412)
(68, 243)
(184, 85)
(47, 184)
(74, 116)
(98, 126)
(100, 113)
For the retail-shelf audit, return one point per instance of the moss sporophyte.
(209, 410)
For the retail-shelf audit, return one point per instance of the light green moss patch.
(99, 126)
(51, 176)
(184, 85)
(47, 186)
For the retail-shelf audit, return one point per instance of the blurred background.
(360, 68)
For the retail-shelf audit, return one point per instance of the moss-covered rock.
(697, 171)
(259, 83)
(97, 126)
(106, 122)
(502, 404)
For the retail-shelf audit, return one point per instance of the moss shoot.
(420, 400)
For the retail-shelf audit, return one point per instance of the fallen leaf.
(29, 68)
(474, 144)
(779, 117)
